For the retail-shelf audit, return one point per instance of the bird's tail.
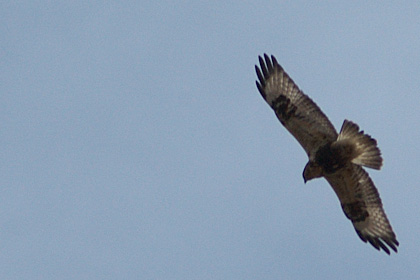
(366, 151)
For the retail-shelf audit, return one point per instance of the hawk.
(338, 157)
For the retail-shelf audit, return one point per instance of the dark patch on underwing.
(283, 108)
(355, 211)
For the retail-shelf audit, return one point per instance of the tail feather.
(367, 152)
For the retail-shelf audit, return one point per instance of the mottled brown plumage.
(336, 157)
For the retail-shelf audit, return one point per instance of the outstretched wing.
(362, 205)
(295, 110)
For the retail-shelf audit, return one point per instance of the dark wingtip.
(260, 75)
(382, 245)
(275, 63)
(260, 89)
(263, 68)
(268, 65)
(261, 60)
(378, 244)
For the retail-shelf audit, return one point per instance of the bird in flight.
(338, 157)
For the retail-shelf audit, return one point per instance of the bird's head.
(311, 171)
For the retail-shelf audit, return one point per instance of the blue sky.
(135, 144)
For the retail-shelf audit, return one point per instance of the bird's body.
(338, 157)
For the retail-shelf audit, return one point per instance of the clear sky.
(135, 145)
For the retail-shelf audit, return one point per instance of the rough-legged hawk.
(336, 157)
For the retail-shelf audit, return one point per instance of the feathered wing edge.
(376, 229)
(295, 110)
(362, 204)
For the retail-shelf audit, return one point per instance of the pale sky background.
(135, 145)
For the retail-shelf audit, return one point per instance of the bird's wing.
(295, 110)
(361, 203)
